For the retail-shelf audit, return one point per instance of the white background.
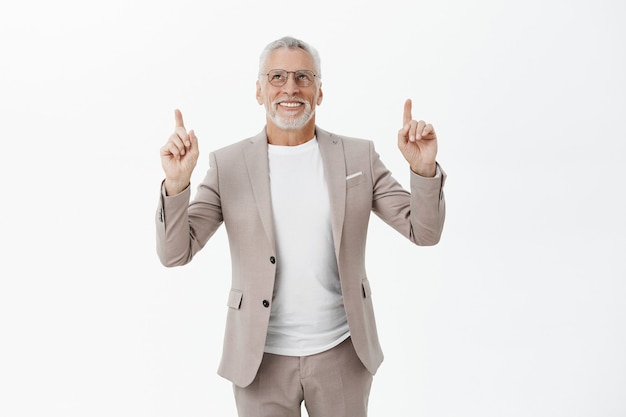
(519, 311)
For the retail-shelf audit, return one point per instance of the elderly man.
(295, 201)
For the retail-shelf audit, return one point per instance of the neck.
(289, 137)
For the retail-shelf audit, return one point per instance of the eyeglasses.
(303, 78)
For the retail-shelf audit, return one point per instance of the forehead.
(289, 59)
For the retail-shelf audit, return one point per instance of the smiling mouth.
(290, 105)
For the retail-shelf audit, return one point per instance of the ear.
(259, 95)
(320, 95)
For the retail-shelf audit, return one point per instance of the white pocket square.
(356, 174)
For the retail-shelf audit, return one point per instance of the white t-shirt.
(307, 315)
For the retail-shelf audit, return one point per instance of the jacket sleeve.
(419, 214)
(183, 228)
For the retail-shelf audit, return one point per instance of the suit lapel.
(255, 155)
(332, 152)
(333, 157)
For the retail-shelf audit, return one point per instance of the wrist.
(428, 170)
(174, 187)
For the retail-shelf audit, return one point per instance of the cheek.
(263, 99)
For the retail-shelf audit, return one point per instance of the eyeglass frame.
(306, 71)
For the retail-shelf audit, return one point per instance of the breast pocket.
(354, 179)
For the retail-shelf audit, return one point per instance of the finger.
(419, 129)
(413, 132)
(404, 131)
(193, 140)
(407, 117)
(177, 142)
(402, 136)
(193, 137)
(428, 131)
(181, 133)
(179, 118)
(170, 150)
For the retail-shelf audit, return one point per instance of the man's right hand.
(179, 156)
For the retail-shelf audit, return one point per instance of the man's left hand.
(417, 141)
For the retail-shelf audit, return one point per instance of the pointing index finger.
(407, 117)
(179, 118)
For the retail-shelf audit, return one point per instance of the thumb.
(193, 138)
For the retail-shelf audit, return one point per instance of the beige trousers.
(331, 384)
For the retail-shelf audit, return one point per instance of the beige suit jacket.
(236, 192)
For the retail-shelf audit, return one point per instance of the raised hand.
(179, 156)
(417, 141)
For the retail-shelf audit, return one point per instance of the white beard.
(290, 123)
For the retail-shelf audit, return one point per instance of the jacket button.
(272, 260)
(266, 303)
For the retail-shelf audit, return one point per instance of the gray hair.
(291, 43)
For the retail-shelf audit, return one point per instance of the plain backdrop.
(519, 311)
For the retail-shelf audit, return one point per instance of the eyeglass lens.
(303, 78)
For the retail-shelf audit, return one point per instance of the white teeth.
(290, 104)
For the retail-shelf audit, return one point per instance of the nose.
(291, 86)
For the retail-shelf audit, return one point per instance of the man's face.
(289, 106)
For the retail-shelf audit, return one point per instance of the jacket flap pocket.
(367, 291)
(234, 299)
